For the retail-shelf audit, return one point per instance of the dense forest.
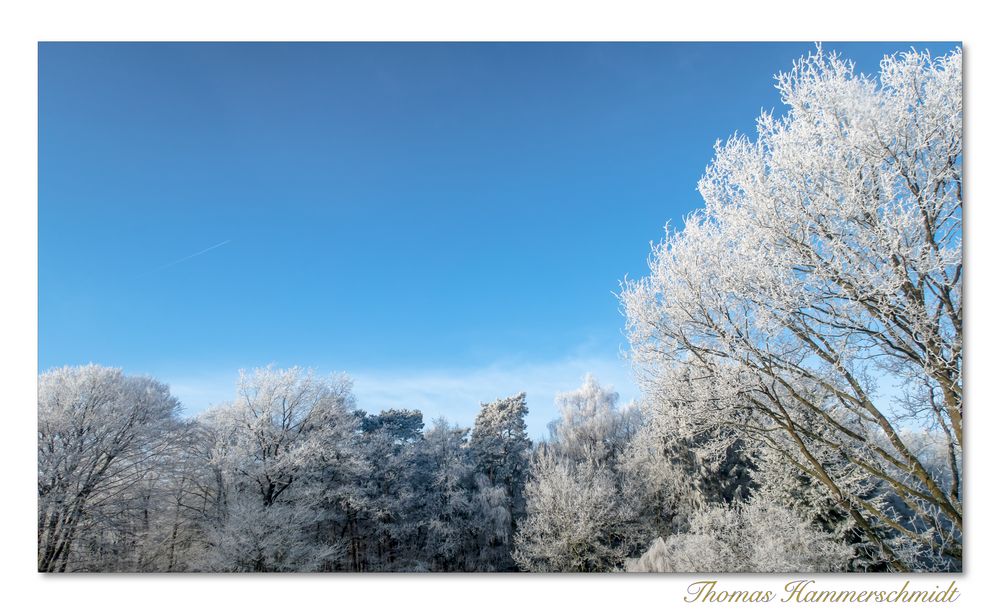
(798, 344)
(291, 476)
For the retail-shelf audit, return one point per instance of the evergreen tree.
(500, 449)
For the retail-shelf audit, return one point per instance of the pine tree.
(500, 448)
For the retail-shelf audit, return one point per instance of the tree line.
(288, 476)
(291, 476)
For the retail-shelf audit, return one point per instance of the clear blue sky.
(445, 222)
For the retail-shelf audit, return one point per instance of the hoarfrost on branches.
(101, 437)
(814, 307)
(753, 537)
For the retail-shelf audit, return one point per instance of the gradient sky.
(447, 223)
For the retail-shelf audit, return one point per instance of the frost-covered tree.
(581, 513)
(814, 306)
(102, 435)
(758, 536)
(281, 425)
(590, 426)
(448, 501)
(391, 487)
(500, 449)
(277, 448)
(670, 478)
(186, 493)
(576, 518)
(801, 493)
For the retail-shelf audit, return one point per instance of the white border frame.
(452, 20)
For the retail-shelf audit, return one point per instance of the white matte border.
(26, 23)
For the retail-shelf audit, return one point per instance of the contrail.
(185, 258)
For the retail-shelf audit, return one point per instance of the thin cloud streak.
(189, 257)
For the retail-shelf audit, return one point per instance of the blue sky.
(447, 223)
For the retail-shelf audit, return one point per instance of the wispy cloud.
(452, 393)
(456, 394)
(186, 258)
(198, 392)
